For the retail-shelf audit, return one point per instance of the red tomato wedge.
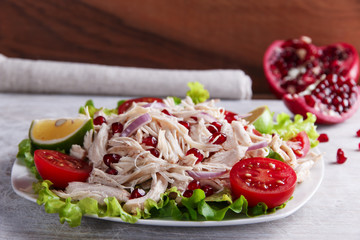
(60, 168)
(127, 104)
(300, 144)
(262, 180)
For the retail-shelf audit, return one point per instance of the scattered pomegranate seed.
(117, 127)
(230, 116)
(214, 127)
(208, 190)
(359, 146)
(166, 112)
(155, 152)
(185, 124)
(137, 193)
(323, 137)
(150, 141)
(99, 120)
(111, 158)
(194, 118)
(188, 193)
(194, 184)
(196, 153)
(111, 171)
(218, 138)
(340, 156)
(358, 133)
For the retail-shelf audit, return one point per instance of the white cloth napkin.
(40, 76)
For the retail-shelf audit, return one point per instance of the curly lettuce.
(198, 207)
(25, 155)
(197, 92)
(92, 109)
(288, 129)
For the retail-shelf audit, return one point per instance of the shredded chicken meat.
(139, 166)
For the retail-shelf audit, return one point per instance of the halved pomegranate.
(320, 80)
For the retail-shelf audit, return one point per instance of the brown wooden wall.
(188, 34)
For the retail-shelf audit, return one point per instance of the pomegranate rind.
(273, 81)
(297, 105)
(354, 66)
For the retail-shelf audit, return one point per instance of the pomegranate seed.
(188, 193)
(117, 127)
(185, 124)
(111, 171)
(359, 146)
(137, 193)
(155, 152)
(218, 138)
(340, 156)
(194, 118)
(150, 141)
(208, 190)
(99, 120)
(111, 158)
(166, 112)
(196, 153)
(194, 184)
(230, 116)
(323, 137)
(310, 100)
(214, 127)
(358, 133)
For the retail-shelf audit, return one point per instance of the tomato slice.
(127, 104)
(256, 132)
(262, 180)
(60, 168)
(300, 144)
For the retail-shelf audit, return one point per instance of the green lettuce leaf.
(288, 129)
(177, 100)
(198, 207)
(92, 109)
(25, 155)
(171, 205)
(274, 155)
(197, 92)
(72, 211)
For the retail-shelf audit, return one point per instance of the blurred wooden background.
(179, 34)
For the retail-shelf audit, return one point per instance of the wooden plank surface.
(171, 34)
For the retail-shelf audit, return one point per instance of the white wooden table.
(332, 213)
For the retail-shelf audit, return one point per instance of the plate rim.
(318, 168)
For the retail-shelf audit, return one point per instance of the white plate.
(22, 179)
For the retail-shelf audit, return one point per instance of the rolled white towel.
(41, 76)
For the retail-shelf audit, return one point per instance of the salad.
(182, 159)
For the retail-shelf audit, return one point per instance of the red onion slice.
(244, 115)
(135, 125)
(207, 117)
(258, 145)
(155, 104)
(205, 175)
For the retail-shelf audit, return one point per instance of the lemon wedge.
(262, 119)
(59, 134)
